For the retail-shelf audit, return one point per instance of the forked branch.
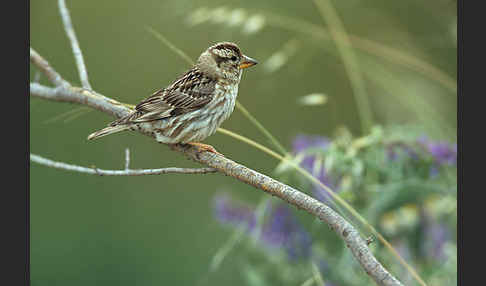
(228, 167)
(65, 92)
(127, 172)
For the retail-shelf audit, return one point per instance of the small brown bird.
(194, 105)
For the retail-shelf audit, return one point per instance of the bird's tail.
(108, 130)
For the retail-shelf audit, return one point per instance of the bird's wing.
(189, 92)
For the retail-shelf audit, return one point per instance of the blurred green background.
(159, 230)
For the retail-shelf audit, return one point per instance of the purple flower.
(391, 150)
(303, 142)
(231, 212)
(442, 152)
(319, 192)
(436, 235)
(282, 230)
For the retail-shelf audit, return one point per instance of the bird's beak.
(247, 62)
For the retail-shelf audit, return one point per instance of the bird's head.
(224, 60)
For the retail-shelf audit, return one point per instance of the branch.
(81, 96)
(127, 172)
(225, 166)
(127, 159)
(46, 68)
(300, 200)
(65, 92)
(78, 55)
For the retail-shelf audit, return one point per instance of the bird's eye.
(233, 58)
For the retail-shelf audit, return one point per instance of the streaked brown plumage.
(194, 105)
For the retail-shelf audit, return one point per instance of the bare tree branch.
(224, 165)
(127, 172)
(78, 55)
(46, 68)
(81, 96)
(64, 92)
(302, 201)
(127, 159)
(37, 76)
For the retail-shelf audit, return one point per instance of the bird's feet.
(204, 147)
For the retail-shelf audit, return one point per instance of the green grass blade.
(171, 46)
(343, 44)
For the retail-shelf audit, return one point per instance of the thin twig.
(46, 69)
(127, 172)
(344, 229)
(127, 159)
(224, 165)
(37, 76)
(78, 55)
(80, 96)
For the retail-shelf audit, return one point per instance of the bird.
(194, 105)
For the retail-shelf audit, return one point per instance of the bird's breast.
(225, 97)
